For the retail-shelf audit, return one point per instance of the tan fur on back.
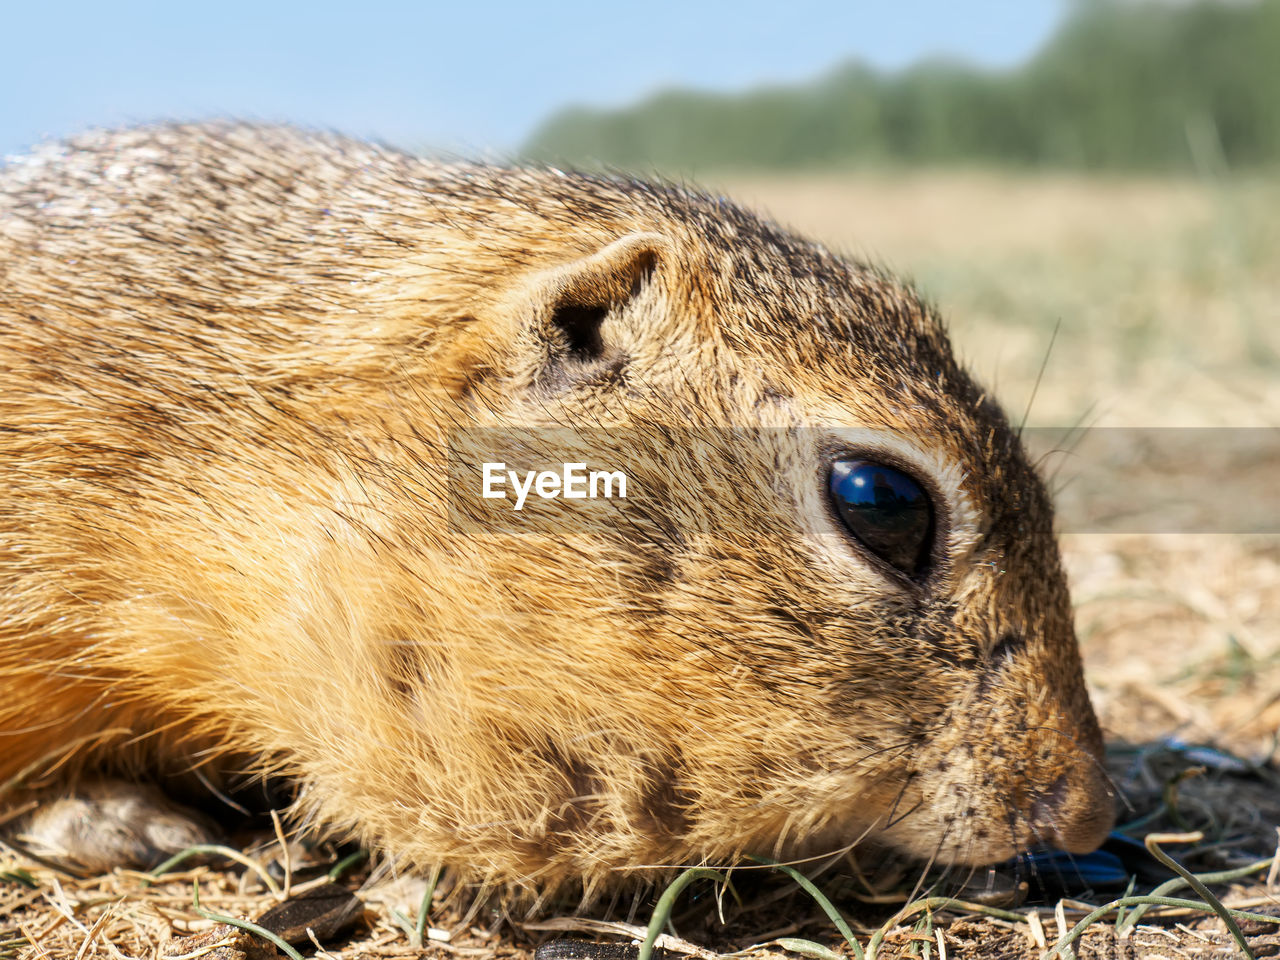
(231, 362)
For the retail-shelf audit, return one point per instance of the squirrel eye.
(886, 510)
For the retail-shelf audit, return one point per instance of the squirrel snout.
(1077, 812)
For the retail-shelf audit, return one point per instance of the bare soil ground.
(1166, 300)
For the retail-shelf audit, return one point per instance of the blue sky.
(470, 77)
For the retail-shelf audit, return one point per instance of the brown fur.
(231, 360)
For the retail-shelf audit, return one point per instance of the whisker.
(924, 871)
(1068, 444)
(1036, 388)
(1116, 788)
(892, 819)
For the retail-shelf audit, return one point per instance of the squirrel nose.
(1077, 812)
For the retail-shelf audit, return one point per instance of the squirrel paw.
(110, 823)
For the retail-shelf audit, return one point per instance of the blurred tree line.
(1121, 85)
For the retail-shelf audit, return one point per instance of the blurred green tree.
(1123, 84)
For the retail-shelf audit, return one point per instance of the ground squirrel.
(233, 360)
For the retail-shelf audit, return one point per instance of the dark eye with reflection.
(886, 510)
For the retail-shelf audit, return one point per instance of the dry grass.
(1168, 299)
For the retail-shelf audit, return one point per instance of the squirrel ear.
(551, 328)
(581, 295)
